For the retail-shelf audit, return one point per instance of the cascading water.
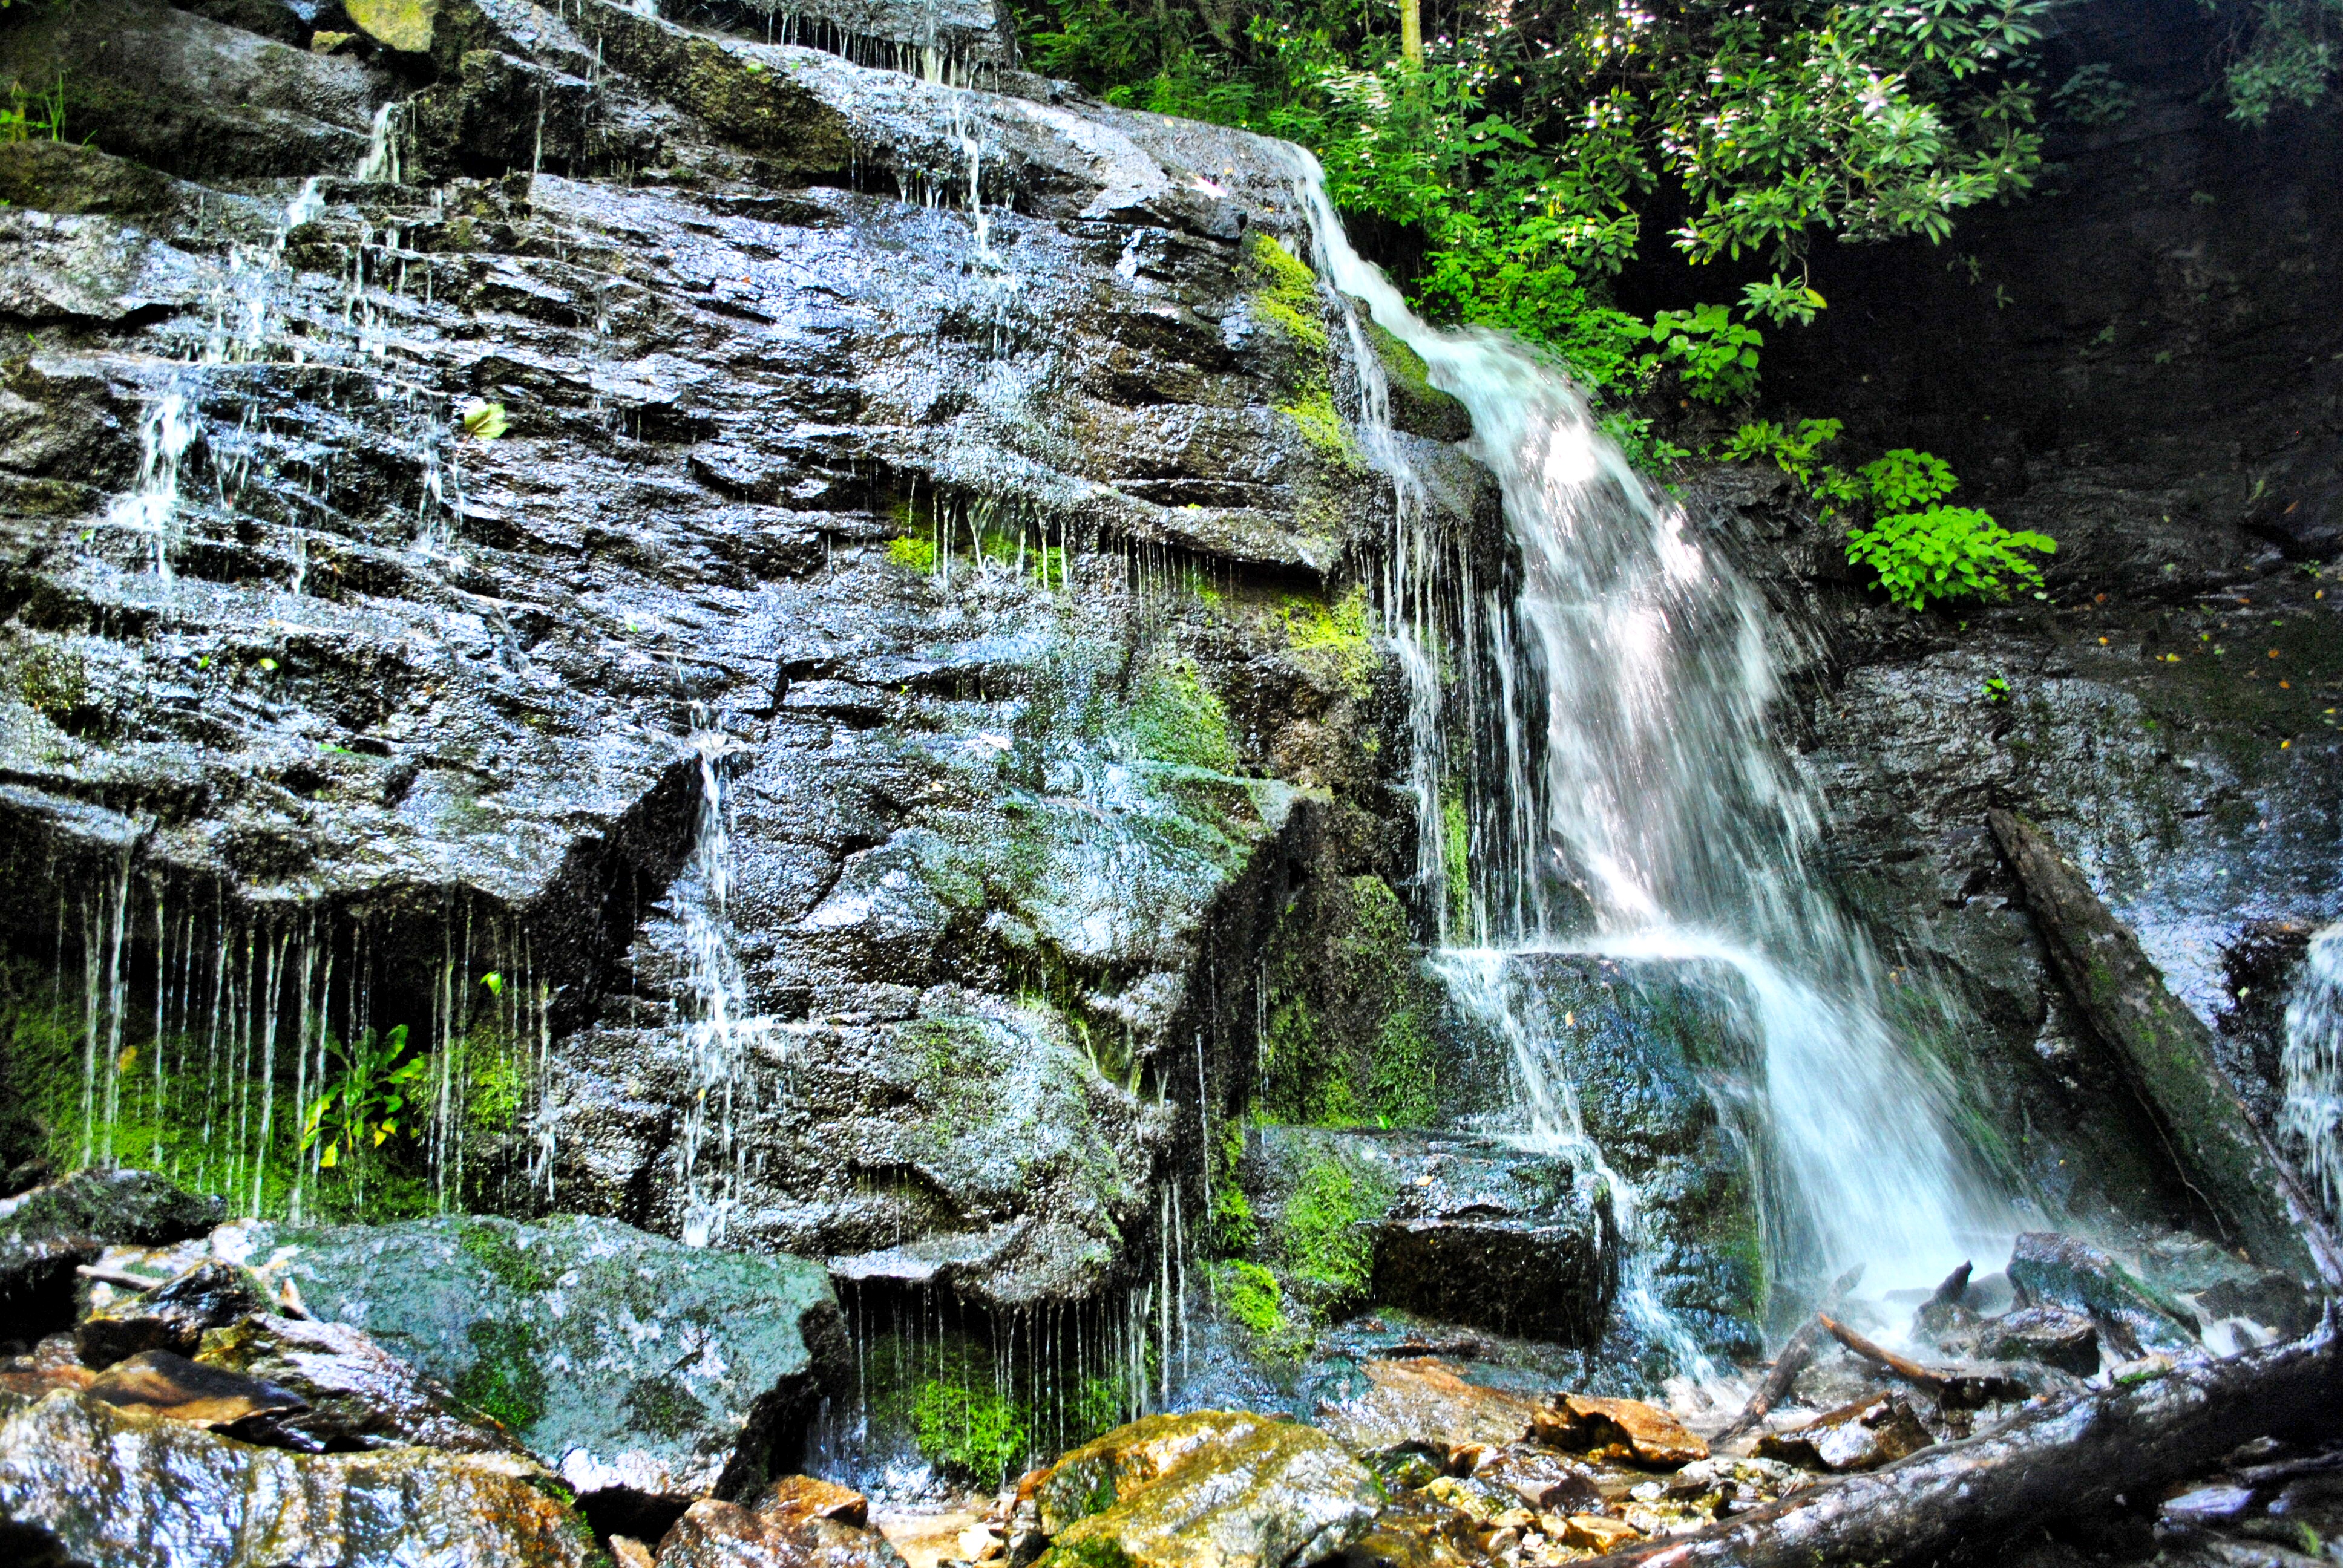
(2313, 1065)
(709, 1154)
(1604, 781)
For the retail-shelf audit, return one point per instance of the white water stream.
(2312, 1119)
(1632, 801)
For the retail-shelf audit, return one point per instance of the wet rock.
(42, 176)
(1598, 1532)
(625, 1360)
(94, 1483)
(2209, 1505)
(208, 1397)
(173, 1316)
(1463, 1230)
(2052, 1269)
(1426, 1402)
(403, 27)
(193, 98)
(797, 1523)
(1616, 1429)
(1544, 1480)
(46, 1232)
(1211, 1490)
(1863, 1435)
(354, 1393)
(2054, 1336)
(2276, 1300)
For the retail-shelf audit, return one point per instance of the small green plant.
(1716, 355)
(974, 1433)
(1995, 690)
(34, 116)
(484, 421)
(363, 1102)
(913, 552)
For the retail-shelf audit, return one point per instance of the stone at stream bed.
(1216, 1489)
(2050, 1269)
(1617, 1429)
(1863, 1435)
(2054, 1336)
(626, 1361)
(83, 1482)
(46, 1232)
(1424, 1401)
(171, 1317)
(798, 1522)
(170, 1384)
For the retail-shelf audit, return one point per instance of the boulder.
(172, 1316)
(1863, 1435)
(1423, 1402)
(628, 1361)
(798, 1522)
(1544, 1480)
(1216, 1489)
(354, 1394)
(46, 1232)
(82, 1481)
(2053, 1269)
(1617, 1429)
(1461, 1230)
(2054, 1336)
(172, 1385)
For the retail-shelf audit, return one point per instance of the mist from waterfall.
(1598, 754)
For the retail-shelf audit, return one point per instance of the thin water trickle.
(720, 1036)
(2312, 1119)
(1595, 773)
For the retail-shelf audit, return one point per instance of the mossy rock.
(1212, 1489)
(404, 25)
(1417, 407)
(626, 1361)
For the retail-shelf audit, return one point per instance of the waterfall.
(1602, 780)
(2313, 1066)
(710, 1152)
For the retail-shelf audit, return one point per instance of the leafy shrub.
(1945, 553)
(1716, 354)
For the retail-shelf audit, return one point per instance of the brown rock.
(1863, 1435)
(716, 1535)
(168, 1385)
(171, 1317)
(1596, 1532)
(1427, 1401)
(793, 1499)
(1617, 1429)
(632, 1552)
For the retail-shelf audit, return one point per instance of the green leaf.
(484, 421)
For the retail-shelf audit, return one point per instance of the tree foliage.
(1516, 170)
(2280, 53)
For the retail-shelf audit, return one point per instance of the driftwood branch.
(1795, 1355)
(1908, 1370)
(2073, 1458)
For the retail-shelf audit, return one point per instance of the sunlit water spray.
(1606, 783)
(2312, 1119)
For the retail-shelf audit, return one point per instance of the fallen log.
(1796, 1353)
(2075, 1457)
(2167, 1052)
(1952, 1388)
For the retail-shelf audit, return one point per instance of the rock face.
(82, 1482)
(2058, 1270)
(626, 1362)
(898, 634)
